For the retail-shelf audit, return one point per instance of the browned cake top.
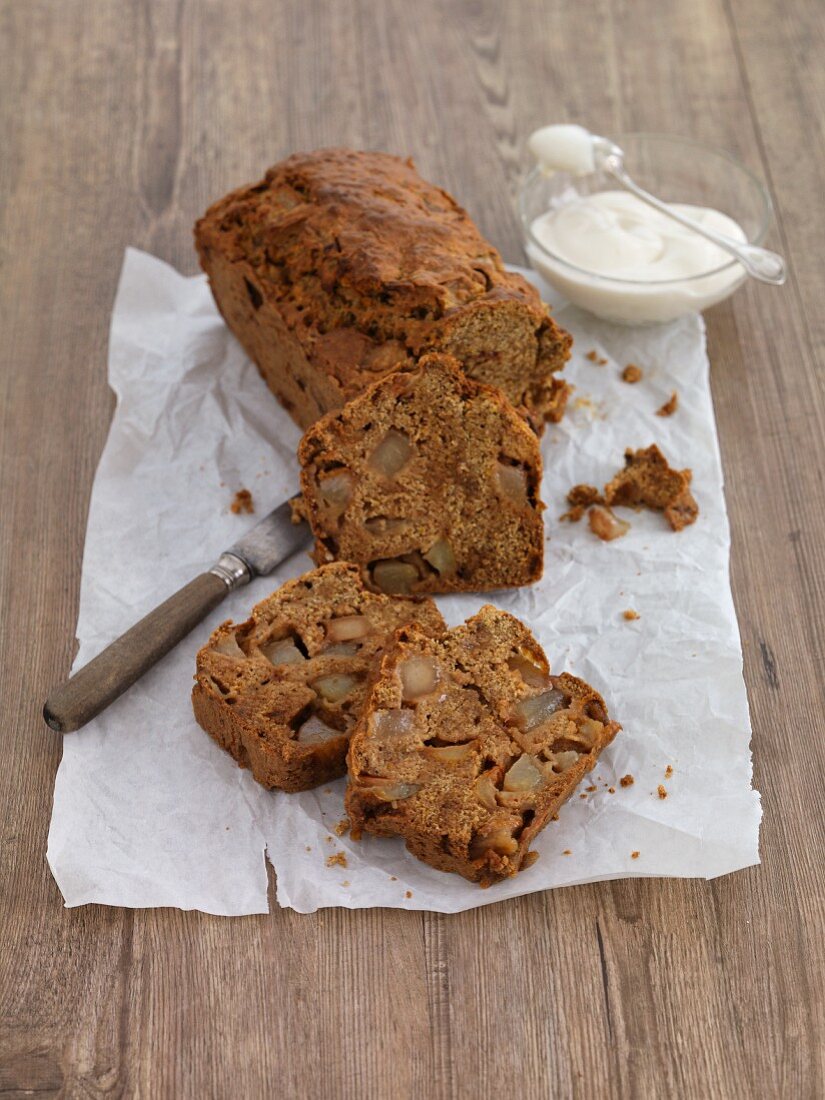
(467, 744)
(369, 264)
(370, 226)
(429, 481)
(297, 669)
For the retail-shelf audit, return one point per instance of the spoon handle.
(761, 263)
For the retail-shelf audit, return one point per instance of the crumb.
(309, 847)
(582, 796)
(573, 515)
(584, 403)
(554, 817)
(668, 771)
(328, 839)
(647, 480)
(634, 855)
(605, 525)
(342, 827)
(297, 510)
(338, 859)
(660, 790)
(670, 406)
(567, 852)
(631, 374)
(345, 882)
(627, 781)
(590, 788)
(594, 357)
(630, 614)
(611, 790)
(393, 878)
(408, 894)
(585, 494)
(243, 502)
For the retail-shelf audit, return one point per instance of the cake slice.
(429, 482)
(282, 691)
(467, 746)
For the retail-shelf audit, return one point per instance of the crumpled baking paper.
(148, 810)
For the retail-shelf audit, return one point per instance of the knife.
(107, 676)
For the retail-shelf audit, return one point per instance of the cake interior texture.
(468, 746)
(282, 691)
(429, 482)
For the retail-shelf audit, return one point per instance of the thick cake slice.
(467, 746)
(282, 691)
(429, 482)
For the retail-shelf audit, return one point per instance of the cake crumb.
(567, 852)
(605, 525)
(661, 791)
(594, 357)
(627, 780)
(328, 839)
(670, 406)
(345, 883)
(582, 796)
(243, 502)
(309, 847)
(337, 859)
(634, 855)
(573, 515)
(342, 827)
(590, 788)
(632, 374)
(630, 614)
(647, 480)
(408, 894)
(611, 790)
(393, 878)
(580, 499)
(668, 771)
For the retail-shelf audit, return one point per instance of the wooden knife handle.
(114, 670)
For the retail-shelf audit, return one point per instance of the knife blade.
(107, 676)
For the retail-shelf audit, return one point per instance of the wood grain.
(118, 123)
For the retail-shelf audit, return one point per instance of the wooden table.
(118, 124)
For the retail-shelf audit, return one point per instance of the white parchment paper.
(149, 811)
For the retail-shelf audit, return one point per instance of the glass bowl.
(674, 169)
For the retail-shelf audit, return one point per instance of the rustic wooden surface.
(118, 123)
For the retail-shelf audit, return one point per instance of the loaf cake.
(428, 481)
(339, 265)
(281, 692)
(467, 746)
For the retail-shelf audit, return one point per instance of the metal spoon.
(761, 263)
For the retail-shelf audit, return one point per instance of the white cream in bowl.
(612, 253)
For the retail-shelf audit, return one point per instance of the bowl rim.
(652, 135)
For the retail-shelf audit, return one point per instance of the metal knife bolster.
(263, 548)
(234, 572)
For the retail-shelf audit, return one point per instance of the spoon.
(761, 263)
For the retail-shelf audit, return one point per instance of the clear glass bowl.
(674, 169)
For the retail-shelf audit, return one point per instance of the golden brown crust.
(282, 691)
(429, 482)
(467, 746)
(339, 264)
